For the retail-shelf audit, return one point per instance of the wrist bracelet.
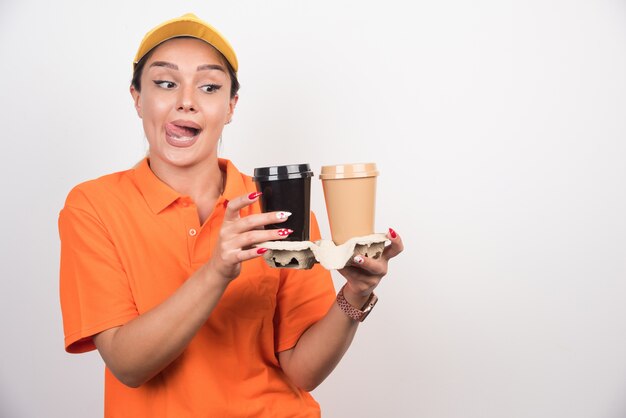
(351, 311)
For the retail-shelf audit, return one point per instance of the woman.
(159, 271)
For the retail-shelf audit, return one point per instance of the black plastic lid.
(282, 172)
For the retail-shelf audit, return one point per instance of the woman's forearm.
(140, 349)
(321, 347)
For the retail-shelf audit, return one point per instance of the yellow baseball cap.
(187, 25)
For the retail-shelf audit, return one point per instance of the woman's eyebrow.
(164, 64)
(210, 67)
(202, 67)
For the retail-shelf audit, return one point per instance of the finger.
(396, 246)
(258, 236)
(256, 221)
(370, 265)
(234, 206)
(250, 254)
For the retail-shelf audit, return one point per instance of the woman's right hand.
(145, 345)
(238, 235)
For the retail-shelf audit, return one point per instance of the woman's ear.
(136, 95)
(231, 108)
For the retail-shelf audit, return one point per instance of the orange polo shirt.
(128, 241)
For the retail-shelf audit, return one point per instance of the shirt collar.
(235, 185)
(159, 195)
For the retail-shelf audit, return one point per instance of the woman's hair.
(138, 70)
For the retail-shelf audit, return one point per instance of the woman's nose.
(186, 101)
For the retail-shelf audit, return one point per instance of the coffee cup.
(350, 195)
(287, 188)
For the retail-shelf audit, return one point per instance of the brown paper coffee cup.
(350, 195)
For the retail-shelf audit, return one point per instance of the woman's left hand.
(365, 273)
(322, 345)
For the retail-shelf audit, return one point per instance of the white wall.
(498, 127)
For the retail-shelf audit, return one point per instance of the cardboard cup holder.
(302, 255)
(346, 187)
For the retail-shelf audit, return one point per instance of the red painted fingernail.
(392, 233)
(284, 232)
(225, 202)
(254, 195)
(358, 259)
(261, 251)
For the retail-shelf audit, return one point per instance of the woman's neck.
(203, 183)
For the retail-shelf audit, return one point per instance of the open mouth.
(182, 129)
(180, 133)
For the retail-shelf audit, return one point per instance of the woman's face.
(184, 102)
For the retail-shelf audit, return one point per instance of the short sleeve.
(94, 290)
(304, 297)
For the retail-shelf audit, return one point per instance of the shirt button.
(193, 232)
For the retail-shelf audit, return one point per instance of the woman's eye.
(210, 88)
(165, 84)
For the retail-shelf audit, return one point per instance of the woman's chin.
(181, 157)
